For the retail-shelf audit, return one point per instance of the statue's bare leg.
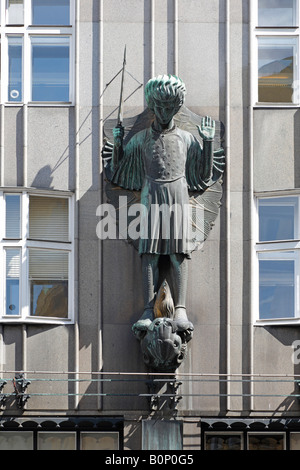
(179, 275)
(150, 273)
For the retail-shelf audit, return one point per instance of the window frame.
(28, 31)
(25, 244)
(33, 435)
(245, 437)
(224, 433)
(275, 250)
(274, 32)
(266, 434)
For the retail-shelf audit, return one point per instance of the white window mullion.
(297, 286)
(4, 67)
(27, 68)
(25, 215)
(2, 215)
(24, 288)
(27, 13)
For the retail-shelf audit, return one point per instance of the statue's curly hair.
(165, 88)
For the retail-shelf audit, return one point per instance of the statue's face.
(165, 111)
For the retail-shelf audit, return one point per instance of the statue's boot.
(144, 322)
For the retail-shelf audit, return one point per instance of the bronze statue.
(166, 164)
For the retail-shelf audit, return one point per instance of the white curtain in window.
(48, 218)
(15, 12)
(48, 264)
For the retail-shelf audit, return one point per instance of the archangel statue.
(171, 171)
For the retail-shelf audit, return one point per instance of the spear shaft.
(120, 113)
(117, 152)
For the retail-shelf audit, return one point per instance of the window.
(50, 12)
(266, 441)
(278, 253)
(248, 441)
(36, 247)
(223, 441)
(277, 49)
(275, 13)
(59, 440)
(37, 50)
(50, 68)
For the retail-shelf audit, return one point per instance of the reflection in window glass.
(266, 442)
(51, 12)
(13, 258)
(50, 69)
(295, 441)
(15, 12)
(276, 69)
(276, 288)
(56, 441)
(277, 218)
(48, 274)
(15, 68)
(13, 218)
(223, 441)
(99, 441)
(14, 440)
(276, 13)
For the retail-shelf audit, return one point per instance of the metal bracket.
(175, 399)
(20, 384)
(169, 397)
(153, 399)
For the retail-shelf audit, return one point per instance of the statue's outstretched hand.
(207, 128)
(118, 133)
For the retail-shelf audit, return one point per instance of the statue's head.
(164, 96)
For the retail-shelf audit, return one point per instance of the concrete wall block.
(49, 165)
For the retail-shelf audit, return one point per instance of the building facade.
(72, 373)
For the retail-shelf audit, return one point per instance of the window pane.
(50, 69)
(56, 441)
(223, 442)
(266, 442)
(276, 288)
(276, 13)
(14, 440)
(48, 218)
(276, 69)
(48, 274)
(51, 12)
(13, 218)
(277, 219)
(15, 69)
(15, 12)
(295, 441)
(99, 441)
(13, 258)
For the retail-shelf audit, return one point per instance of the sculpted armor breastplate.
(165, 156)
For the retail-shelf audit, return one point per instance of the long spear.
(117, 153)
(120, 113)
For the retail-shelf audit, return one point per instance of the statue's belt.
(157, 180)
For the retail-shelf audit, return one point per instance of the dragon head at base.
(164, 344)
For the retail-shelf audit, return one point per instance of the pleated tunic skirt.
(165, 217)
